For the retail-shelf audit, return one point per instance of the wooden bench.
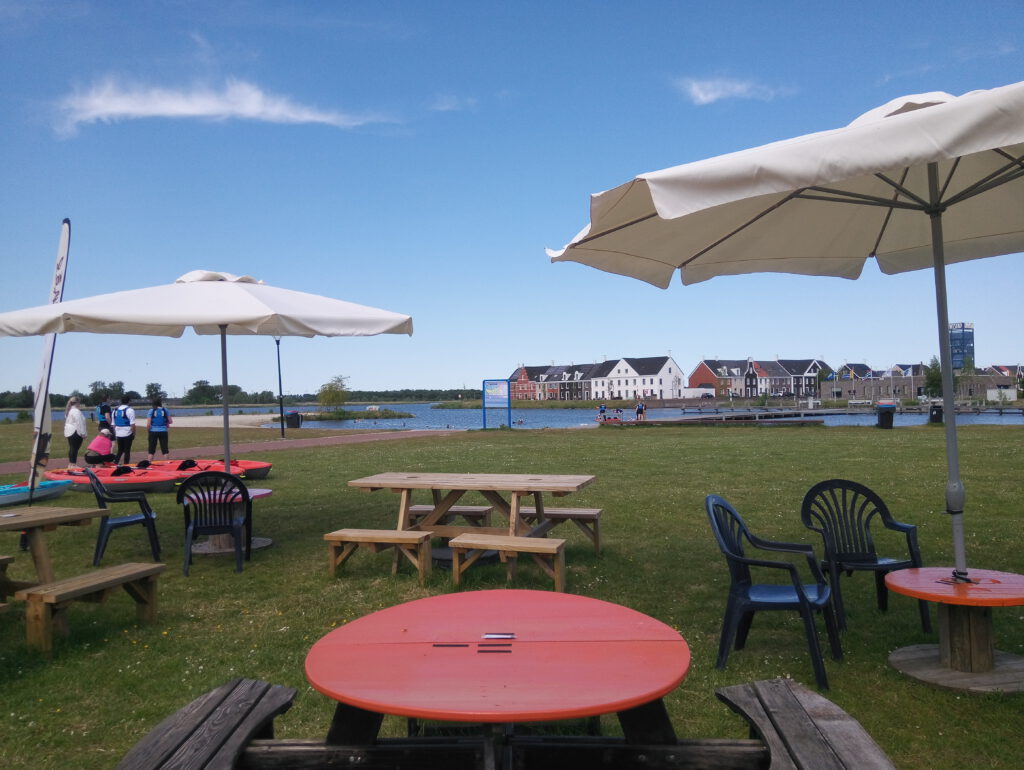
(549, 553)
(414, 545)
(47, 603)
(587, 519)
(480, 515)
(214, 729)
(801, 728)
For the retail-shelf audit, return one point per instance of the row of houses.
(659, 377)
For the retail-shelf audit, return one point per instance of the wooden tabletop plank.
(506, 482)
(16, 519)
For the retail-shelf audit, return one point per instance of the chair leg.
(236, 536)
(154, 539)
(101, 542)
(837, 597)
(729, 623)
(814, 648)
(188, 552)
(743, 629)
(926, 620)
(881, 591)
(832, 627)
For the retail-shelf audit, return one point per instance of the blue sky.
(420, 156)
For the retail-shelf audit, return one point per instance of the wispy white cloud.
(111, 100)
(452, 103)
(710, 90)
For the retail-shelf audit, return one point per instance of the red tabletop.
(988, 588)
(499, 656)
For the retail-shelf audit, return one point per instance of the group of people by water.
(602, 412)
(116, 431)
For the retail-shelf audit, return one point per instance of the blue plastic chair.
(747, 597)
(842, 513)
(216, 503)
(146, 517)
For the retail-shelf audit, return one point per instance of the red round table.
(965, 657)
(500, 656)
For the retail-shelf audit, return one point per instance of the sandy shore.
(217, 420)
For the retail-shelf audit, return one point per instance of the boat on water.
(16, 494)
(123, 478)
(247, 469)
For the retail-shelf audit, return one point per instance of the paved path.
(270, 445)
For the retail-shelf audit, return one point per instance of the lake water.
(426, 418)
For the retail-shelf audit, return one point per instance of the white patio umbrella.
(923, 181)
(210, 303)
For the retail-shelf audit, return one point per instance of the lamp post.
(280, 389)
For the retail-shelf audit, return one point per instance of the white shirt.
(74, 422)
(123, 430)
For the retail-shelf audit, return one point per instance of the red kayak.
(135, 479)
(247, 469)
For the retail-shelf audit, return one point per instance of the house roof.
(651, 365)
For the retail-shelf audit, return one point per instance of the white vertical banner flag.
(42, 418)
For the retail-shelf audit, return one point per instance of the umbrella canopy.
(210, 303)
(922, 181)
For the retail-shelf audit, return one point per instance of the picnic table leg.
(404, 522)
(40, 555)
(648, 724)
(353, 726)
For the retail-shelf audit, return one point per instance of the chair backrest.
(729, 530)
(102, 496)
(842, 511)
(213, 498)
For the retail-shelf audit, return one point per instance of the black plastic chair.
(841, 512)
(747, 597)
(216, 503)
(108, 524)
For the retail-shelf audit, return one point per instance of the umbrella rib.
(837, 196)
(741, 228)
(1008, 173)
(613, 230)
(888, 215)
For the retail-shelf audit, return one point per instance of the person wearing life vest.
(103, 415)
(157, 424)
(124, 430)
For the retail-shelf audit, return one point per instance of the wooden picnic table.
(500, 656)
(505, 491)
(965, 658)
(37, 519)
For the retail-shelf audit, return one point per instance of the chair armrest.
(795, 548)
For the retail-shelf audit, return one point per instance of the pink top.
(500, 656)
(101, 444)
(987, 588)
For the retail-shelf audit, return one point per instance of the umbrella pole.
(224, 395)
(954, 487)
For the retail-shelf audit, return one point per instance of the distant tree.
(334, 393)
(154, 390)
(115, 391)
(97, 391)
(201, 392)
(933, 379)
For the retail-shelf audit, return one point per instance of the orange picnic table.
(500, 656)
(965, 658)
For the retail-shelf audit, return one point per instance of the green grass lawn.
(113, 680)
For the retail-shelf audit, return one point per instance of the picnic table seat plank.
(474, 514)
(587, 520)
(549, 553)
(212, 731)
(413, 544)
(47, 603)
(803, 729)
